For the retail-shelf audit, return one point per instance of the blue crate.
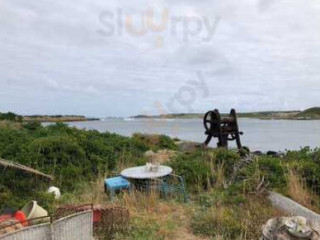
(116, 183)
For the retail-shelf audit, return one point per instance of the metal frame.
(225, 129)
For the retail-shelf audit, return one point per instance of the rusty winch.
(224, 128)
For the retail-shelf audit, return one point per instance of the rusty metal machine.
(225, 129)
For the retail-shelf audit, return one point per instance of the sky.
(121, 58)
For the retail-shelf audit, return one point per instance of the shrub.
(14, 145)
(32, 125)
(306, 163)
(166, 142)
(195, 169)
(226, 158)
(154, 141)
(266, 168)
(69, 154)
(203, 168)
(10, 116)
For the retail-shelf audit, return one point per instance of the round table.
(141, 173)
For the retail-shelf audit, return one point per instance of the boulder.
(257, 153)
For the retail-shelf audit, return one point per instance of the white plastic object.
(55, 191)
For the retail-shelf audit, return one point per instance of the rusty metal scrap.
(225, 129)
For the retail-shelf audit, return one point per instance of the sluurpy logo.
(155, 27)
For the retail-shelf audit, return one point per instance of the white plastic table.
(141, 173)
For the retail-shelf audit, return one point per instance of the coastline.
(43, 119)
(308, 114)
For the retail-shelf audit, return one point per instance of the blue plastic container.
(116, 183)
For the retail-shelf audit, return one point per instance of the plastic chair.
(115, 184)
(173, 184)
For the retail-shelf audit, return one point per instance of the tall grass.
(299, 191)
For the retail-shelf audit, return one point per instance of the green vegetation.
(173, 115)
(311, 113)
(233, 221)
(203, 168)
(72, 156)
(57, 118)
(308, 114)
(220, 209)
(10, 117)
(155, 142)
(225, 204)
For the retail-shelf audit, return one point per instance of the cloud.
(263, 55)
(51, 84)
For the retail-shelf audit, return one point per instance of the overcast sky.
(115, 58)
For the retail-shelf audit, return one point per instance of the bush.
(306, 163)
(264, 168)
(226, 158)
(154, 141)
(195, 169)
(203, 168)
(32, 125)
(10, 117)
(69, 154)
(14, 145)
(166, 142)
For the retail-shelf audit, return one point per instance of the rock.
(257, 153)
(186, 146)
(272, 153)
(159, 157)
(244, 151)
(149, 154)
(289, 228)
(275, 154)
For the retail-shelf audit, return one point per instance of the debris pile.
(289, 228)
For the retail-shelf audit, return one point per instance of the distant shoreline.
(57, 118)
(308, 114)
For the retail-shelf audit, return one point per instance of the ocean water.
(264, 135)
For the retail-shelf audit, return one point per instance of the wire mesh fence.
(12, 225)
(70, 222)
(36, 232)
(73, 227)
(107, 220)
(77, 226)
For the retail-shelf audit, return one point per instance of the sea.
(258, 135)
